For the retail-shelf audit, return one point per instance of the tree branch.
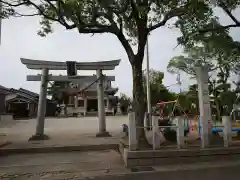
(172, 13)
(41, 11)
(218, 28)
(12, 5)
(135, 13)
(229, 13)
(96, 29)
(126, 46)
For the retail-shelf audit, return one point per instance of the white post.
(85, 106)
(154, 131)
(41, 107)
(107, 103)
(76, 105)
(132, 132)
(204, 105)
(227, 130)
(101, 107)
(76, 101)
(180, 132)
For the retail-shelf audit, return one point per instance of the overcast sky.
(20, 39)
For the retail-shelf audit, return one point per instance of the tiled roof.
(28, 92)
(4, 90)
(24, 93)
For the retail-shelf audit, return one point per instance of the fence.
(153, 132)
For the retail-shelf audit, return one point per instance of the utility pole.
(149, 109)
(179, 81)
(1, 9)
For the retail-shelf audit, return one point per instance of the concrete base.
(103, 134)
(178, 156)
(4, 117)
(216, 139)
(238, 134)
(38, 137)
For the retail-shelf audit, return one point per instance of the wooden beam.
(78, 79)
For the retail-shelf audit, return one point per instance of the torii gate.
(45, 66)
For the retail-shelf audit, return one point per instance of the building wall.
(2, 103)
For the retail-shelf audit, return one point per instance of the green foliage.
(218, 50)
(194, 30)
(158, 91)
(55, 91)
(124, 101)
(130, 20)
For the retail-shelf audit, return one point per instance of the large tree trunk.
(139, 106)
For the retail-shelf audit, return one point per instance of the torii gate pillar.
(39, 135)
(101, 111)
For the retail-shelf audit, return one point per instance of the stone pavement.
(66, 134)
(49, 166)
(105, 165)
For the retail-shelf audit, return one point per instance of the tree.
(157, 90)
(193, 30)
(188, 100)
(124, 101)
(55, 91)
(129, 20)
(220, 56)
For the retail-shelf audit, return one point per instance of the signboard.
(71, 68)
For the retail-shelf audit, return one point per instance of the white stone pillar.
(41, 107)
(101, 107)
(85, 106)
(227, 130)
(204, 105)
(76, 101)
(180, 132)
(132, 132)
(108, 104)
(154, 122)
(76, 105)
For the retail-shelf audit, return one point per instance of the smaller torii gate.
(45, 66)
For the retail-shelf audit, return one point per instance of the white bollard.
(154, 131)
(180, 131)
(227, 130)
(132, 132)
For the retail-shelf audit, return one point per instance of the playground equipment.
(176, 107)
(155, 134)
(217, 129)
(194, 125)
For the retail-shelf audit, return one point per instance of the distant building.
(88, 100)
(22, 103)
(3, 92)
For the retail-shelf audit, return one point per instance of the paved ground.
(61, 127)
(66, 134)
(61, 165)
(99, 165)
(105, 165)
